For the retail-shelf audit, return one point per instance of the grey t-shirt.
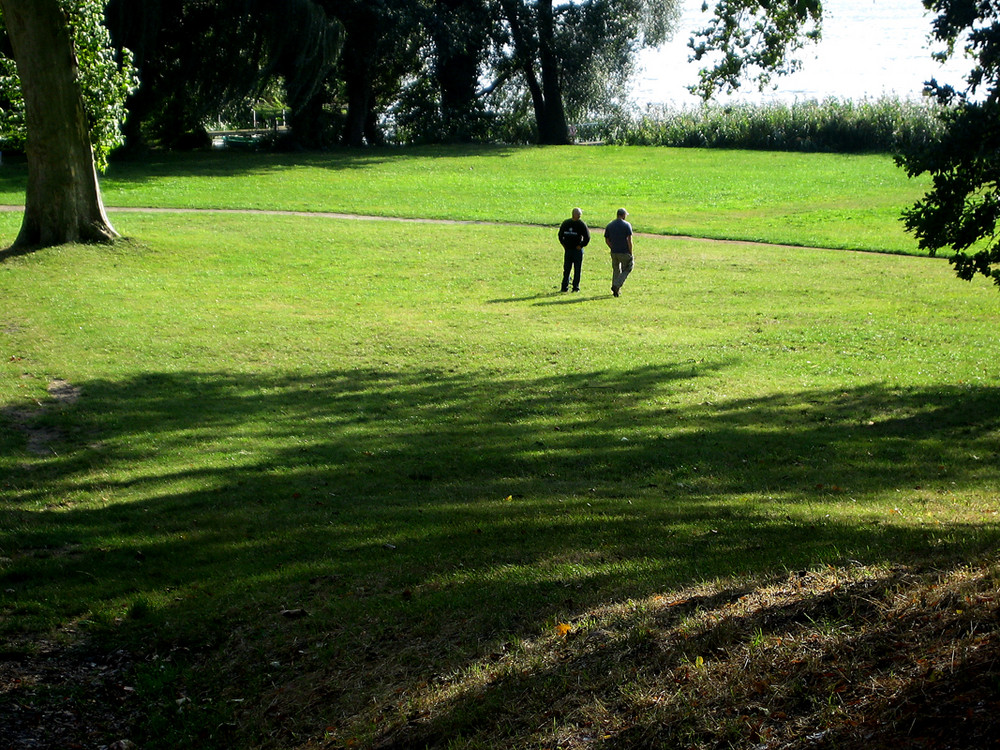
(617, 233)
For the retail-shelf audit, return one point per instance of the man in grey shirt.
(618, 236)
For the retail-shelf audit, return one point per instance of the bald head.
(577, 213)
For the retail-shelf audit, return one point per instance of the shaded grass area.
(846, 658)
(410, 566)
(262, 490)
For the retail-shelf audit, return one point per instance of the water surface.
(870, 48)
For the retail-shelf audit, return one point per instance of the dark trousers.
(572, 260)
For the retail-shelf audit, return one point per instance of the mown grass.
(822, 200)
(320, 482)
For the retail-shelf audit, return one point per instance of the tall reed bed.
(833, 125)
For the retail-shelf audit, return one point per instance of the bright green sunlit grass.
(408, 432)
(822, 200)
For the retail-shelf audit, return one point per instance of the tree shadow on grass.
(421, 519)
(12, 251)
(839, 658)
(125, 172)
(219, 163)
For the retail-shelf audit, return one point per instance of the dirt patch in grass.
(41, 436)
(54, 696)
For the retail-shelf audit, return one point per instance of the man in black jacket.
(573, 236)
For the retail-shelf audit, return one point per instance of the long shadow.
(933, 701)
(437, 449)
(125, 170)
(226, 163)
(15, 252)
(443, 509)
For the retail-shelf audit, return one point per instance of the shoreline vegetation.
(883, 125)
(886, 125)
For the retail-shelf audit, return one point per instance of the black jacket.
(573, 233)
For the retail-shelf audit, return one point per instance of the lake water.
(870, 48)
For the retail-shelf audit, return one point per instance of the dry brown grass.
(845, 657)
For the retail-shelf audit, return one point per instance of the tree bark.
(358, 106)
(552, 126)
(460, 38)
(63, 200)
(546, 95)
(359, 60)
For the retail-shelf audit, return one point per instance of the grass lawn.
(282, 481)
(823, 200)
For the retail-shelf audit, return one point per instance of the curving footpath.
(402, 219)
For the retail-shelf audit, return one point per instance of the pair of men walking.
(574, 236)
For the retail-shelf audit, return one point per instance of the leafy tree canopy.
(573, 57)
(961, 209)
(598, 42)
(198, 58)
(106, 79)
(753, 40)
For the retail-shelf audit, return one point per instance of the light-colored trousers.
(621, 267)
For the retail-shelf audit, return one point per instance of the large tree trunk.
(552, 126)
(459, 41)
(309, 121)
(359, 59)
(546, 95)
(63, 201)
(358, 105)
